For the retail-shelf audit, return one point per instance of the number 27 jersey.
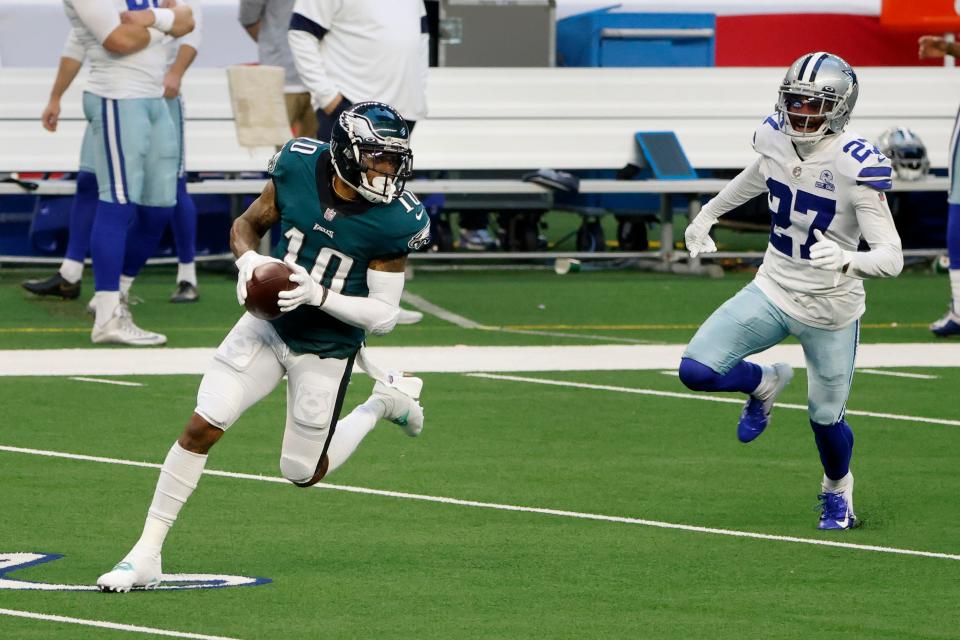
(844, 175)
(334, 240)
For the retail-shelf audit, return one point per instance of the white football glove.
(697, 236)
(828, 255)
(246, 264)
(309, 292)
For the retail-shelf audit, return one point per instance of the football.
(268, 280)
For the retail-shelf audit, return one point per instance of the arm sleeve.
(251, 11)
(748, 184)
(885, 257)
(310, 21)
(195, 37)
(377, 312)
(99, 16)
(72, 48)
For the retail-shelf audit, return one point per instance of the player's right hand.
(245, 265)
(697, 237)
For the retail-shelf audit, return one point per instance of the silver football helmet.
(906, 151)
(817, 95)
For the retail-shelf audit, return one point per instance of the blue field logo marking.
(11, 562)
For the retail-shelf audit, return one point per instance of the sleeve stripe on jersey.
(876, 172)
(773, 123)
(301, 23)
(881, 185)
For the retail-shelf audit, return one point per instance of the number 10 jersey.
(334, 240)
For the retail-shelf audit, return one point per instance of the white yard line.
(706, 398)
(457, 359)
(516, 508)
(109, 625)
(120, 383)
(899, 374)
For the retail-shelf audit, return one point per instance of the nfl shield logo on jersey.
(329, 214)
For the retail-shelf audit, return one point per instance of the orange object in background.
(929, 16)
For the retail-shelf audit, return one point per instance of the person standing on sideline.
(825, 187)
(949, 323)
(66, 283)
(266, 21)
(134, 142)
(349, 51)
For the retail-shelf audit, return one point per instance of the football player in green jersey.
(347, 224)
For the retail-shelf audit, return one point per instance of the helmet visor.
(806, 112)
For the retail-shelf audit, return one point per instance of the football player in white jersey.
(825, 189)
(135, 153)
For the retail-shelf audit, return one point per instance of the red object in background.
(776, 40)
(931, 16)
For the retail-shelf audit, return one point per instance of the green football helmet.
(372, 138)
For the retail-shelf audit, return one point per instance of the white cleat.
(409, 317)
(120, 329)
(400, 395)
(136, 571)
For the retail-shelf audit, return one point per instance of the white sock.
(71, 270)
(768, 382)
(351, 430)
(954, 289)
(106, 303)
(125, 283)
(844, 485)
(178, 478)
(187, 273)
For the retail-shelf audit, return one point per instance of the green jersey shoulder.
(335, 240)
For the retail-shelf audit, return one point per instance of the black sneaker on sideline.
(185, 292)
(55, 285)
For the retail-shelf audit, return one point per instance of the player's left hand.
(309, 290)
(826, 254)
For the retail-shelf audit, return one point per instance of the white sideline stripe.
(456, 359)
(101, 380)
(109, 625)
(516, 508)
(697, 396)
(899, 374)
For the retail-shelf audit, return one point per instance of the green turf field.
(605, 475)
(616, 306)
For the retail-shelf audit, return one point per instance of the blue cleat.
(948, 325)
(835, 513)
(756, 412)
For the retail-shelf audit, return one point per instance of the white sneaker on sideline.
(120, 329)
(409, 317)
(400, 395)
(136, 571)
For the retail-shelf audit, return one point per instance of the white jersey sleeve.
(73, 48)
(309, 23)
(747, 185)
(100, 17)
